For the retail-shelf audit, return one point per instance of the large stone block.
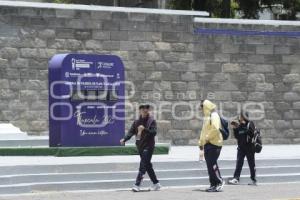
(171, 76)
(256, 78)
(145, 46)
(163, 66)
(296, 87)
(231, 67)
(188, 76)
(180, 134)
(296, 105)
(213, 67)
(154, 76)
(260, 68)
(171, 56)
(171, 37)
(196, 67)
(46, 34)
(65, 13)
(290, 59)
(101, 15)
(296, 124)
(93, 44)
(224, 58)
(153, 36)
(3, 63)
(282, 50)
(101, 35)
(291, 96)
(282, 106)
(163, 46)
(239, 96)
(108, 25)
(9, 53)
(282, 124)
(179, 86)
(8, 94)
(29, 95)
(119, 35)
(136, 36)
(264, 49)
(152, 56)
(264, 87)
(256, 96)
(128, 46)
(111, 45)
(291, 78)
(283, 69)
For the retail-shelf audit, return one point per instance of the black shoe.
(211, 189)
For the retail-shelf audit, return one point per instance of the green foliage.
(249, 8)
(86, 2)
(180, 4)
(291, 6)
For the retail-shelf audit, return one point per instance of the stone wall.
(168, 62)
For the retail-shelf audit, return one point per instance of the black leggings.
(250, 155)
(211, 157)
(146, 166)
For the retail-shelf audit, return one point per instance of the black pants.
(212, 154)
(250, 155)
(146, 166)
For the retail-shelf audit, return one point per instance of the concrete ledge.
(101, 8)
(78, 151)
(246, 21)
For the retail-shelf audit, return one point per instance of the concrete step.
(112, 167)
(30, 141)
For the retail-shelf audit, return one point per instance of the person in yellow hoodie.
(210, 143)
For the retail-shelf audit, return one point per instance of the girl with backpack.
(244, 131)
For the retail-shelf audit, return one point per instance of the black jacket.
(244, 134)
(148, 136)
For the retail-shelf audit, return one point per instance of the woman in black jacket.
(244, 132)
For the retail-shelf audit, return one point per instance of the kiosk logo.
(105, 65)
(80, 63)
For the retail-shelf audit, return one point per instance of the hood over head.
(208, 107)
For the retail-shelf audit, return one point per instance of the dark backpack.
(224, 127)
(256, 140)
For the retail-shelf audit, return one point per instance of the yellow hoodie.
(210, 132)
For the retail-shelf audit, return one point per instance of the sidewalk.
(177, 153)
(266, 192)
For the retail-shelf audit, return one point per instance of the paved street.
(265, 192)
(26, 175)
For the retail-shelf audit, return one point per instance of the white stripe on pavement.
(131, 180)
(135, 171)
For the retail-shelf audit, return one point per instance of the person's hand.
(201, 155)
(122, 141)
(141, 128)
(243, 122)
(234, 124)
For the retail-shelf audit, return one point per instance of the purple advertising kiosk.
(86, 100)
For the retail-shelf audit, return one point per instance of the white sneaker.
(136, 188)
(220, 187)
(254, 183)
(233, 181)
(156, 187)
